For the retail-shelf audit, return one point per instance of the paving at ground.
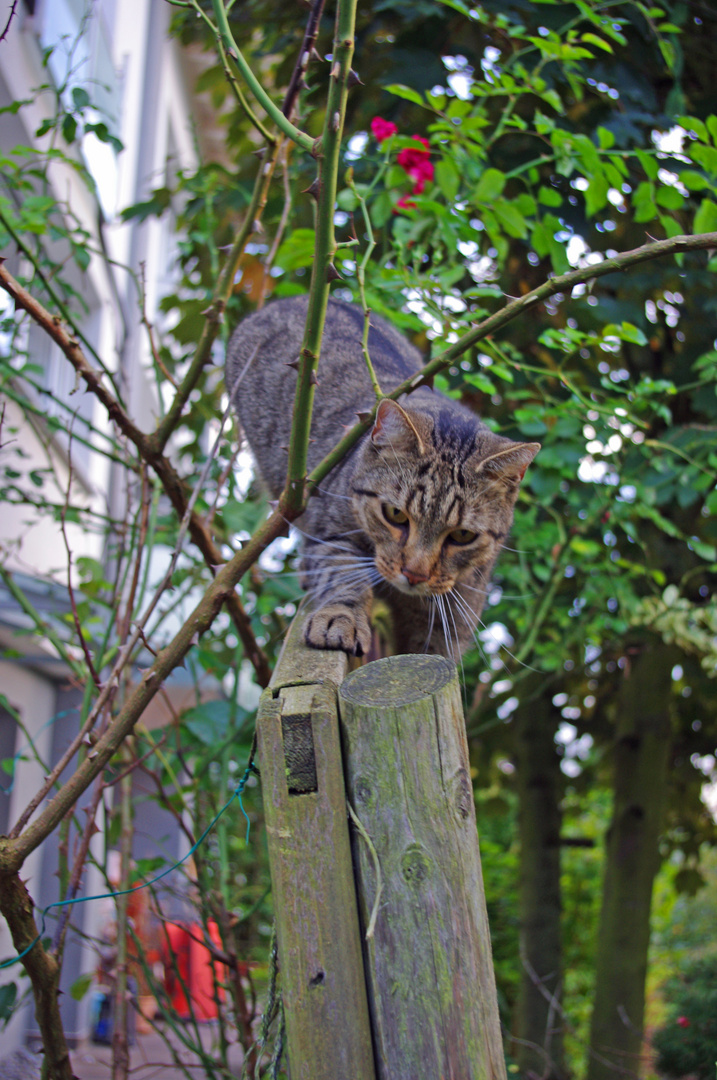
(150, 1058)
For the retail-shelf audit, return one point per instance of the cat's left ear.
(399, 429)
(509, 462)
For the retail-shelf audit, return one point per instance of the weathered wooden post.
(317, 926)
(430, 977)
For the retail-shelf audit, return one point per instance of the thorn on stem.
(315, 55)
(363, 417)
(293, 364)
(336, 70)
(353, 79)
(332, 273)
(336, 121)
(313, 189)
(232, 55)
(313, 381)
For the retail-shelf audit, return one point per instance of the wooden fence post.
(429, 968)
(318, 936)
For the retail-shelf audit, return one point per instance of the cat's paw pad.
(338, 627)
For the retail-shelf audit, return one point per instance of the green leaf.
(447, 178)
(706, 217)
(549, 196)
(691, 123)
(628, 332)
(490, 186)
(80, 986)
(209, 722)
(8, 996)
(705, 551)
(593, 39)
(510, 218)
(398, 90)
(694, 181)
(297, 250)
(705, 156)
(69, 127)
(596, 194)
(606, 137)
(80, 97)
(669, 197)
(649, 163)
(346, 200)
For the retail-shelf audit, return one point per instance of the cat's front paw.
(337, 626)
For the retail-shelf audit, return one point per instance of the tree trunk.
(642, 754)
(538, 1048)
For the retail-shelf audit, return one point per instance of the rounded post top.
(397, 680)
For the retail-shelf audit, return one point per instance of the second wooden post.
(429, 968)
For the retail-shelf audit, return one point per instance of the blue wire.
(237, 794)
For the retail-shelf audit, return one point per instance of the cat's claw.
(338, 627)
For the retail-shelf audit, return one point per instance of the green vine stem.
(361, 277)
(232, 51)
(324, 271)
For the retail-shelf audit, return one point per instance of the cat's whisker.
(521, 663)
(504, 596)
(333, 494)
(330, 567)
(327, 543)
(455, 628)
(469, 618)
(345, 581)
(431, 621)
(444, 622)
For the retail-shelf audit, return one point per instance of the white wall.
(154, 122)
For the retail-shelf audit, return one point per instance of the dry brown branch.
(146, 448)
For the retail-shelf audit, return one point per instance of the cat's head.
(435, 491)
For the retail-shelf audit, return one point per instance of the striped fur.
(428, 459)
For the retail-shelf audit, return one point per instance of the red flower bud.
(382, 129)
(683, 1022)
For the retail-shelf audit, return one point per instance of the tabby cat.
(415, 515)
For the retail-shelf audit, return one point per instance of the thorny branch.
(146, 447)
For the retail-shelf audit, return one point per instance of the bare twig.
(149, 448)
(9, 20)
(70, 588)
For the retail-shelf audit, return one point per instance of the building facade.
(140, 80)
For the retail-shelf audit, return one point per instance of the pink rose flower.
(417, 164)
(683, 1022)
(382, 129)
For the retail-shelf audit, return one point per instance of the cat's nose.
(414, 577)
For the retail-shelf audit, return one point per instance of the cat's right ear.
(393, 427)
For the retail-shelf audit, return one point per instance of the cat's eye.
(394, 516)
(462, 536)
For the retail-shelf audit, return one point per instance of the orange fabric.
(188, 963)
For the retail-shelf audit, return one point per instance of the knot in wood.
(415, 865)
(462, 793)
(364, 792)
